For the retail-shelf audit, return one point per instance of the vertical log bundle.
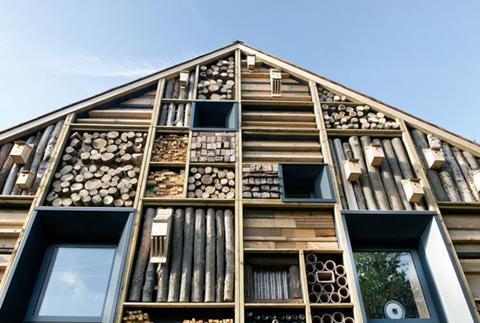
(216, 81)
(378, 188)
(454, 182)
(347, 116)
(174, 89)
(165, 183)
(200, 265)
(211, 182)
(213, 147)
(174, 114)
(170, 148)
(99, 169)
(260, 181)
(43, 142)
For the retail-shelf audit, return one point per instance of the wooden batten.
(413, 190)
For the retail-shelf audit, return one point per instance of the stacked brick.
(213, 147)
(261, 182)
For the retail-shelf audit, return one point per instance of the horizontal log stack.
(260, 181)
(269, 316)
(216, 81)
(165, 183)
(327, 280)
(42, 143)
(343, 116)
(213, 147)
(378, 187)
(200, 265)
(328, 96)
(208, 321)
(174, 114)
(455, 180)
(136, 317)
(170, 148)
(211, 182)
(98, 169)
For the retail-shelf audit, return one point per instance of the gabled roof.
(297, 71)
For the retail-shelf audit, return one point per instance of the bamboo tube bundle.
(269, 316)
(99, 169)
(378, 187)
(342, 116)
(136, 316)
(200, 265)
(326, 278)
(216, 81)
(457, 180)
(174, 114)
(213, 147)
(211, 182)
(332, 317)
(261, 181)
(22, 177)
(165, 183)
(328, 96)
(170, 148)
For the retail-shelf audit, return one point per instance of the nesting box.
(434, 157)
(476, 180)
(25, 179)
(160, 236)
(184, 78)
(20, 152)
(325, 277)
(413, 189)
(352, 169)
(375, 155)
(276, 81)
(251, 60)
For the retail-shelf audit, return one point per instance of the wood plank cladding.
(256, 85)
(379, 187)
(456, 180)
(288, 229)
(464, 230)
(259, 117)
(42, 144)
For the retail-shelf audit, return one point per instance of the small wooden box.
(434, 157)
(25, 179)
(325, 277)
(184, 78)
(352, 169)
(276, 81)
(375, 155)
(476, 179)
(20, 152)
(413, 189)
(160, 237)
(251, 60)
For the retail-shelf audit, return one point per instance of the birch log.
(210, 258)
(457, 175)
(229, 256)
(186, 283)
(198, 280)
(466, 171)
(162, 278)
(220, 253)
(149, 285)
(349, 193)
(357, 187)
(176, 256)
(336, 167)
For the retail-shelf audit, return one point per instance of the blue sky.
(420, 56)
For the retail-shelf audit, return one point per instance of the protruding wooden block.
(160, 236)
(25, 179)
(375, 155)
(276, 81)
(251, 60)
(434, 157)
(20, 152)
(413, 189)
(184, 75)
(352, 169)
(476, 179)
(325, 277)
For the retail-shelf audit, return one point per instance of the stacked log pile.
(174, 114)
(454, 182)
(327, 281)
(328, 96)
(378, 188)
(170, 148)
(341, 116)
(43, 143)
(136, 317)
(200, 265)
(260, 181)
(213, 147)
(274, 316)
(216, 81)
(211, 182)
(272, 279)
(99, 169)
(165, 183)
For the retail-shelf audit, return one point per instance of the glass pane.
(78, 282)
(390, 285)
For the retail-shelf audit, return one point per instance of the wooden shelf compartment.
(154, 201)
(268, 117)
(16, 200)
(364, 132)
(277, 203)
(176, 312)
(109, 126)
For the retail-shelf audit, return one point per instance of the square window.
(76, 281)
(214, 116)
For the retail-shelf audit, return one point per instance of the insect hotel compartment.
(216, 80)
(174, 114)
(332, 315)
(165, 182)
(180, 87)
(260, 181)
(326, 278)
(269, 315)
(213, 147)
(179, 315)
(211, 182)
(214, 116)
(272, 278)
(199, 263)
(99, 169)
(305, 183)
(261, 117)
(355, 116)
(170, 148)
